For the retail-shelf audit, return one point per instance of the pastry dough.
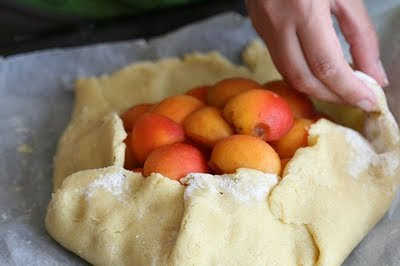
(332, 193)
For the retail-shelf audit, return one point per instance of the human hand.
(305, 48)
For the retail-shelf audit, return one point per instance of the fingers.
(326, 60)
(305, 49)
(290, 61)
(359, 32)
(288, 56)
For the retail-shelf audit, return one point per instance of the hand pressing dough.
(332, 192)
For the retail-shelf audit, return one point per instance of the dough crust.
(332, 193)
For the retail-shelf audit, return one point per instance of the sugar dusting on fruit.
(114, 183)
(245, 186)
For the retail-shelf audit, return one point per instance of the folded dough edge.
(308, 208)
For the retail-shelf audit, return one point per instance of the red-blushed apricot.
(284, 162)
(175, 161)
(261, 113)
(296, 138)
(219, 94)
(131, 115)
(178, 107)
(199, 93)
(246, 151)
(130, 160)
(207, 126)
(152, 131)
(301, 105)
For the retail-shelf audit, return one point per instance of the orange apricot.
(296, 138)
(130, 116)
(130, 160)
(175, 161)
(207, 126)
(152, 131)
(219, 94)
(199, 93)
(261, 113)
(301, 105)
(246, 151)
(178, 107)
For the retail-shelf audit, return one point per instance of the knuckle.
(269, 9)
(324, 69)
(303, 10)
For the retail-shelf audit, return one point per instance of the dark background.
(23, 30)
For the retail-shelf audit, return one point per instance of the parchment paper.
(36, 97)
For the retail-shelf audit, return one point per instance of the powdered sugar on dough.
(111, 182)
(245, 185)
(388, 162)
(362, 154)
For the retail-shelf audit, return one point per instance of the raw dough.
(332, 193)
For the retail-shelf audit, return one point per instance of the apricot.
(295, 139)
(178, 107)
(206, 126)
(175, 161)
(219, 94)
(284, 162)
(131, 115)
(261, 113)
(130, 160)
(152, 131)
(301, 105)
(199, 93)
(247, 151)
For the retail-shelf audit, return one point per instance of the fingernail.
(366, 105)
(383, 72)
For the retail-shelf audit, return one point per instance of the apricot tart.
(197, 161)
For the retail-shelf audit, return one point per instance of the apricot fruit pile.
(217, 129)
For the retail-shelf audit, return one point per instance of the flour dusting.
(362, 154)
(111, 182)
(245, 185)
(389, 163)
(25, 149)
